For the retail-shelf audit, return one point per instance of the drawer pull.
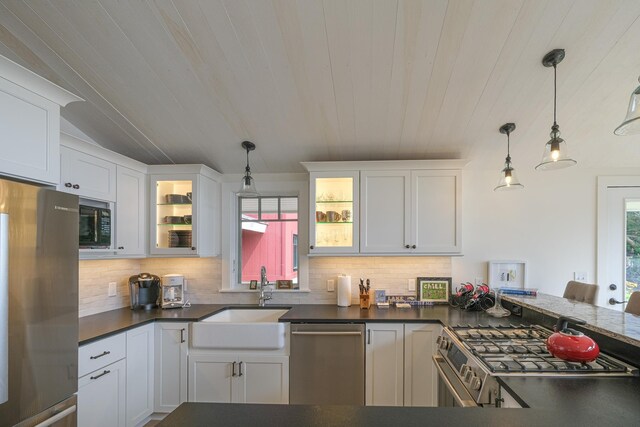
(105, 372)
(104, 353)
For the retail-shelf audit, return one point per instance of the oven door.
(451, 391)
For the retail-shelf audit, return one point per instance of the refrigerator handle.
(4, 307)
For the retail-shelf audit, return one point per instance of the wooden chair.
(582, 292)
(633, 305)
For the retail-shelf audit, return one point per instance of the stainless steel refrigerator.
(38, 305)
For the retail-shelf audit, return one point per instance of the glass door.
(334, 213)
(173, 220)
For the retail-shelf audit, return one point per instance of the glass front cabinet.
(334, 212)
(182, 215)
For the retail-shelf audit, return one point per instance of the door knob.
(613, 301)
(613, 287)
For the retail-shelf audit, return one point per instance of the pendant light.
(248, 185)
(631, 123)
(555, 150)
(508, 178)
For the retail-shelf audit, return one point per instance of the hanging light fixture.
(508, 178)
(631, 123)
(248, 186)
(555, 150)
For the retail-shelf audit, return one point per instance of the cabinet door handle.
(413, 247)
(120, 247)
(76, 186)
(104, 353)
(193, 248)
(311, 247)
(407, 246)
(368, 336)
(105, 372)
(68, 184)
(233, 369)
(240, 369)
(182, 335)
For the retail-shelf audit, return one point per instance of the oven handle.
(465, 403)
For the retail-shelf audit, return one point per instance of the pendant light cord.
(555, 91)
(247, 169)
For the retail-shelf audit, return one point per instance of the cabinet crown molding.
(384, 165)
(23, 77)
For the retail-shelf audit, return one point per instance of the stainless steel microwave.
(95, 227)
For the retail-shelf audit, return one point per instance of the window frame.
(239, 221)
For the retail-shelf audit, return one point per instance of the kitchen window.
(267, 236)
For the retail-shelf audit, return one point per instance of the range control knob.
(475, 383)
(464, 369)
(468, 375)
(444, 344)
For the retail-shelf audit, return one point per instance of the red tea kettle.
(571, 345)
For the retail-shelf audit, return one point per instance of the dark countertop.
(323, 313)
(114, 321)
(234, 414)
(616, 398)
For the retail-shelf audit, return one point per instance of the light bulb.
(555, 154)
(507, 179)
(555, 146)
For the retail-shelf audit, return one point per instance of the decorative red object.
(571, 345)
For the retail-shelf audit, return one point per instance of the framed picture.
(380, 295)
(253, 284)
(284, 284)
(434, 289)
(507, 274)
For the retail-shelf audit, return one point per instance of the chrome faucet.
(262, 299)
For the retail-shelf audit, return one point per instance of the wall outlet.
(580, 276)
(331, 285)
(411, 284)
(479, 281)
(113, 290)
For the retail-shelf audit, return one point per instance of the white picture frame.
(507, 274)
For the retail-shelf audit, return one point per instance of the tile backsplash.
(204, 279)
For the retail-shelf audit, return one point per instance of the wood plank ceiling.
(186, 81)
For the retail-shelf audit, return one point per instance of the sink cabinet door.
(212, 378)
(263, 379)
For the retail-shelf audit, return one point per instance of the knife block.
(365, 301)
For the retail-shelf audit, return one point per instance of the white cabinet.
(385, 199)
(384, 365)
(334, 213)
(131, 197)
(102, 382)
(30, 124)
(140, 374)
(183, 211)
(411, 212)
(436, 211)
(404, 207)
(399, 368)
(171, 350)
(87, 176)
(243, 378)
(420, 377)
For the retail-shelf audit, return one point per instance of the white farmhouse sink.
(241, 329)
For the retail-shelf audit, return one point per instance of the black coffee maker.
(144, 291)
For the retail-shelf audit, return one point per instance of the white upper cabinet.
(386, 208)
(184, 207)
(30, 124)
(404, 207)
(334, 212)
(436, 214)
(87, 176)
(131, 201)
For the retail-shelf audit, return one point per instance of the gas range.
(470, 358)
